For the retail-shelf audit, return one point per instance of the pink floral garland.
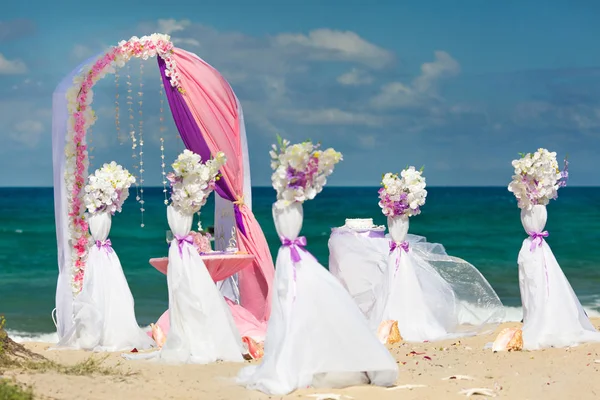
(82, 117)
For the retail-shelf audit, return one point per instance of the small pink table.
(220, 266)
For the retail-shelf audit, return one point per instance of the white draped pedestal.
(104, 316)
(316, 335)
(552, 313)
(202, 329)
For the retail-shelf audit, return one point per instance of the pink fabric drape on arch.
(214, 107)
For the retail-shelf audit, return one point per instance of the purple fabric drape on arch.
(192, 137)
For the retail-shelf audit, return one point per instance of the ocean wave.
(38, 337)
(513, 314)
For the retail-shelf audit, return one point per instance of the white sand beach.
(424, 369)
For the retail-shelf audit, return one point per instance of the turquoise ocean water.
(480, 225)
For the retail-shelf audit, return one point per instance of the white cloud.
(168, 26)
(331, 116)
(11, 67)
(328, 44)
(27, 132)
(185, 42)
(422, 89)
(355, 77)
(81, 52)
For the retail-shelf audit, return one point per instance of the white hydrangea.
(536, 179)
(300, 170)
(192, 181)
(108, 188)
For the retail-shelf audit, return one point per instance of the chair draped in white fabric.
(202, 328)
(552, 313)
(104, 315)
(316, 335)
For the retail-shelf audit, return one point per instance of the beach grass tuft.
(14, 356)
(13, 391)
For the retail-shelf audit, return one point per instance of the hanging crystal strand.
(162, 142)
(117, 122)
(132, 131)
(141, 136)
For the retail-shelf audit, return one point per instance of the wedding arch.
(208, 117)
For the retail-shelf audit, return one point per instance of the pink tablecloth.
(220, 266)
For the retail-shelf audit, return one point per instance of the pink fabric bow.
(104, 244)
(181, 240)
(537, 239)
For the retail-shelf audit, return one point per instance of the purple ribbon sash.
(537, 238)
(398, 246)
(299, 242)
(104, 244)
(181, 241)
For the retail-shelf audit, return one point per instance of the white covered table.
(358, 259)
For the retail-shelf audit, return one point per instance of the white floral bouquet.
(301, 170)
(192, 180)
(404, 194)
(537, 178)
(108, 188)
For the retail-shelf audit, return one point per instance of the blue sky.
(460, 87)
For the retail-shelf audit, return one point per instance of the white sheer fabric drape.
(224, 216)
(104, 315)
(316, 335)
(552, 313)
(454, 295)
(60, 118)
(202, 328)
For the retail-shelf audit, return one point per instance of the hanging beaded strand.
(117, 109)
(162, 141)
(132, 129)
(141, 136)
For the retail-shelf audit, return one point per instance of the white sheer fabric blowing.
(431, 294)
(104, 315)
(552, 313)
(202, 328)
(60, 117)
(316, 335)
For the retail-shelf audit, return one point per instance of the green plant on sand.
(14, 356)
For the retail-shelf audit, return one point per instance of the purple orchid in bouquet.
(537, 178)
(301, 170)
(404, 194)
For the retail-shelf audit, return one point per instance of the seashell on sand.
(255, 350)
(509, 339)
(388, 332)
(158, 335)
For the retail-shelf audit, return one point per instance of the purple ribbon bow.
(181, 240)
(537, 239)
(294, 245)
(104, 244)
(393, 246)
(402, 245)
